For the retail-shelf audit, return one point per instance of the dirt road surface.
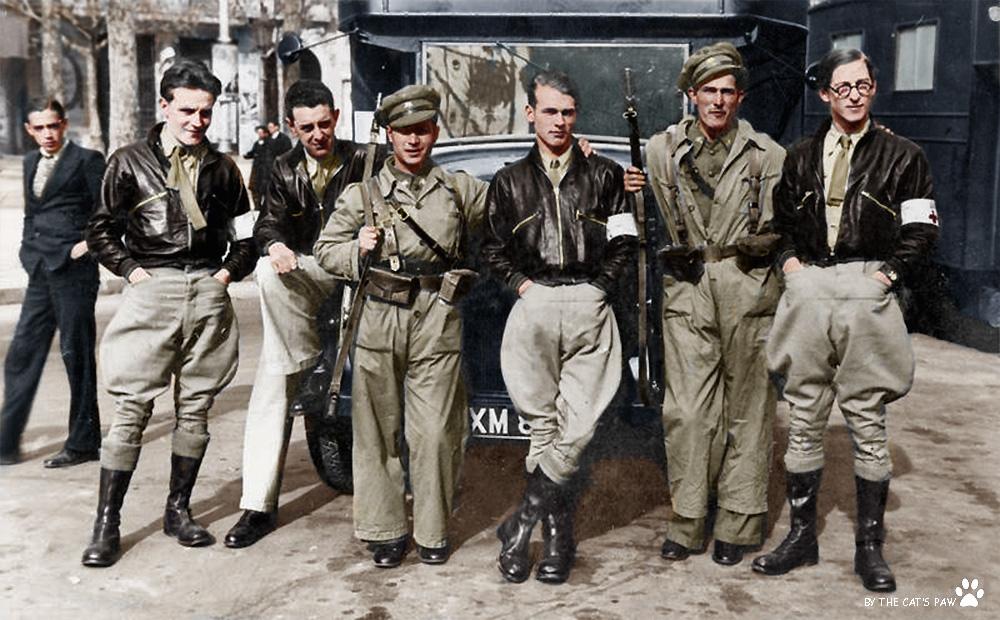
(942, 522)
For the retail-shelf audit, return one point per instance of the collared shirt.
(413, 182)
(46, 164)
(830, 149)
(190, 155)
(708, 158)
(556, 167)
(320, 171)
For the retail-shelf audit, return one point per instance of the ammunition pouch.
(391, 287)
(400, 289)
(758, 245)
(682, 262)
(456, 284)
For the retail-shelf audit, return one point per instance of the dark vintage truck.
(477, 54)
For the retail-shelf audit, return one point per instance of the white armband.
(241, 226)
(918, 211)
(622, 225)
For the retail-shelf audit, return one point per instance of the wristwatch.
(890, 273)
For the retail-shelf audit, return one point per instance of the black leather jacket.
(533, 236)
(136, 203)
(291, 212)
(885, 171)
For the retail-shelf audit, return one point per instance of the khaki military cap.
(408, 106)
(710, 62)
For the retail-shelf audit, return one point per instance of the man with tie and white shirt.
(62, 182)
(855, 208)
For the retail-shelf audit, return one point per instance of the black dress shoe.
(389, 554)
(433, 555)
(10, 458)
(675, 552)
(251, 527)
(68, 457)
(727, 554)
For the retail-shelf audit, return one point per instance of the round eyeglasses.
(843, 90)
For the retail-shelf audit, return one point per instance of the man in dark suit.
(280, 143)
(62, 182)
(263, 160)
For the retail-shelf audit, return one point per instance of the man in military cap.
(559, 235)
(713, 176)
(407, 355)
(304, 186)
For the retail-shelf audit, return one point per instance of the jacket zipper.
(147, 201)
(518, 226)
(562, 259)
(580, 215)
(872, 198)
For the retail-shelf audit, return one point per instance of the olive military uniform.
(407, 357)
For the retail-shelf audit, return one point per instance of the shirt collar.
(562, 159)
(58, 152)
(700, 141)
(169, 143)
(834, 133)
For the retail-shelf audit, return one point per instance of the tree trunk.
(95, 137)
(52, 52)
(124, 75)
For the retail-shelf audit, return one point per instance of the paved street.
(942, 517)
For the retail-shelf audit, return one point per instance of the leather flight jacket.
(291, 212)
(886, 171)
(555, 239)
(135, 203)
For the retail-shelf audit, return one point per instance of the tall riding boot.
(800, 547)
(177, 519)
(559, 547)
(868, 561)
(515, 532)
(105, 545)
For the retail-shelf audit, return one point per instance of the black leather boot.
(868, 561)
(515, 532)
(800, 547)
(177, 521)
(559, 547)
(105, 545)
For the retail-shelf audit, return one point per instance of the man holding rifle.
(409, 335)
(299, 199)
(713, 176)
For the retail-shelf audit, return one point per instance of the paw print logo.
(970, 593)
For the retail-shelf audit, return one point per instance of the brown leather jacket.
(886, 170)
(291, 212)
(532, 235)
(135, 203)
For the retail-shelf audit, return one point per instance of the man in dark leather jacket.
(304, 187)
(559, 234)
(856, 212)
(173, 222)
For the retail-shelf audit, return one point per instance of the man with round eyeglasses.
(856, 211)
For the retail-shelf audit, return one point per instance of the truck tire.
(330, 446)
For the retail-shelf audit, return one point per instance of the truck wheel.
(330, 448)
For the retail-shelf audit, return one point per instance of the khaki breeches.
(561, 360)
(839, 333)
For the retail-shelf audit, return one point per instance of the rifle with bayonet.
(638, 203)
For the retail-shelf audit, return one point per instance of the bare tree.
(52, 51)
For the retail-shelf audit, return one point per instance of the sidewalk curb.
(15, 295)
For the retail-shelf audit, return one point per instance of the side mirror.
(290, 47)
